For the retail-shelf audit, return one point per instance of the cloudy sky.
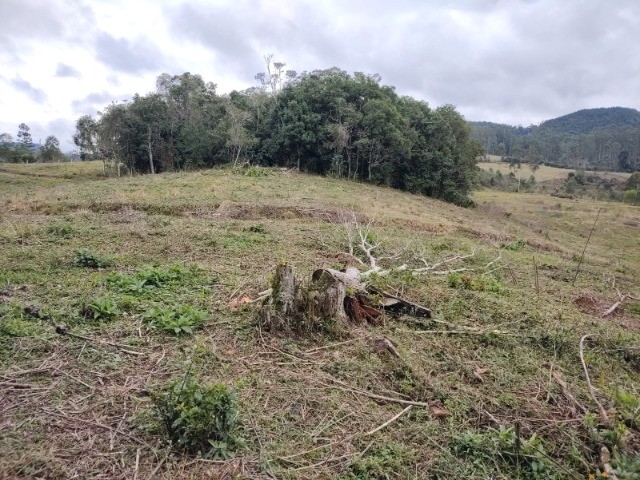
(511, 61)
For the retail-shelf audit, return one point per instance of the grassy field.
(86, 264)
(545, 173)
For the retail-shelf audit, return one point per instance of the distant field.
(56, 170)
(545, 173)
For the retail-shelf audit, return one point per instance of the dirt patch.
(588, 303)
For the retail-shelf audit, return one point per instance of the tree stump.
(325, 300)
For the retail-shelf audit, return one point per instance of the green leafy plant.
(526, 455)
(102, 309)
(63, 230)
(484, 282)
(150, 278)
(626, 467)
(175, 320)
(200, 419)
(86, 258)
(383, 462)
(514, 246)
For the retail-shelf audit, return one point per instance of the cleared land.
(546, 173)
(76, 407)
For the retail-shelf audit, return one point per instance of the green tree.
(7, 152)
(25, 143)
(51, 150)
(85, 137)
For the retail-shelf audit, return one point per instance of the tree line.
(594, 139)
(23, 150)
(326, 122)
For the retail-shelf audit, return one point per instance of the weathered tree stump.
(325, 300)
(332, 301)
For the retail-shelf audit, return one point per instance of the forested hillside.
(325, 122)
(599, 138)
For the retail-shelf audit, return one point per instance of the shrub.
(176, 321)
(630, 196)
(86, 258)
(200, 418)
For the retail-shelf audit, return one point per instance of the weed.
(514, 246)
(86, 258)
(175, 321)
(200, 419)
(626, 467)
(150, 278)
(63, 230)
(485, 282)
(525, 458)
(258, 229)
(628, 407)
(380, 463)
(14, 323)
(253, 171)
(101, 309)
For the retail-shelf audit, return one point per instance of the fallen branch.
(390, 421)
(64, 331)
(348, 388)
(567, 393)
(603, 412)
(621, 298)
(350, 437)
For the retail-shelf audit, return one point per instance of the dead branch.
(603, 412)
(347, 388)
(430, 268)
(567, 393)
(390, 421)
(64, 331)
(622, 297)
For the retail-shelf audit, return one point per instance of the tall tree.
(25, 142)
(85, 137)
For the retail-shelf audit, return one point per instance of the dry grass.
(545, 173)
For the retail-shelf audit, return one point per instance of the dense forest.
(598, 139)
(326, 122)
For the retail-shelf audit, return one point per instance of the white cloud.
(519, 62)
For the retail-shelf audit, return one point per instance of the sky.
(508, 61)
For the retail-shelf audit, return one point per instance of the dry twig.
(603, 412)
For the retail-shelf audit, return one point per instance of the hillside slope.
(311, 406)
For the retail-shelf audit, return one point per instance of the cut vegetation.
(133, 342)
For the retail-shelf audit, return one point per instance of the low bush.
(86, 258)
(200, 419)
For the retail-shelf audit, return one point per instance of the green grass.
(181, 246)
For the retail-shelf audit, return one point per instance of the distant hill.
(596, 138)
(588, 120)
